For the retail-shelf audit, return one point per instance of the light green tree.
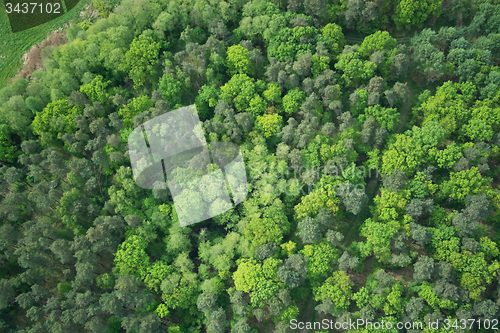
(321, 257)
(136, 106)
(240, 90)
(265, 222)
(379, 41)
(386, 117)
(131, 257)
(464, 183)
(270, 124)
(404, 154)
(141, 59)
(96, 90)
(293, 100)
(334, 33)
(171, 89)
(378, 238)
(354, 69)
(338, 289)
(61, 109)
(411, 13)
(238, 60)
(272, 94)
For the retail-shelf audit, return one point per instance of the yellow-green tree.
(379, 41)
(464, 183)
(131, 257)
(404, 154)
(238, 60)
(96, 90)
(102, 7)
(240, 90)
(323, 196)
(334, 33)
(136, 106)
(270, 124)
(59, 110)
(141, 59)
(338, 289)
(411, 13)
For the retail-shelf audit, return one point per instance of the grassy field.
(14, 45)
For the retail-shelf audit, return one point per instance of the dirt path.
(309, 313)
(405, 110)
(370, 190)
(359, 40)
(372, 186)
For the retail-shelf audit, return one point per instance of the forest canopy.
(370, 133)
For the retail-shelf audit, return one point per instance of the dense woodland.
(407, 89)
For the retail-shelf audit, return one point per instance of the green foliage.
(96, 90)
(131, 257)
(359, 104)
(105, 281)
(484, 120)
(319, 64)
(410, 13)
(321, 257)
(135, 107)
(489, 247)
(378, 238)
(289, 313)
(286, 44)
(180, 289)
(240, 90)
(361, 297)
(386, 117)
(270, 124)
(394, 300)
(272, 94)
(141, 59)
(447, 157)
(57, 117)
(63, 287)
(266, 223)
(171, 89)
(473, 284)
(433, 300)
(450, 105)
(404, 154)
(354, 70)
(293, 100)
(321, 197)
(258, 279)
(102, 7)
(162, 311)
(379, 41)
(205, 101)
(8, 151)
(338, 289)
(334, 33)
(257, 106)
(464, 183)
(155, 275)
(238, 60)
